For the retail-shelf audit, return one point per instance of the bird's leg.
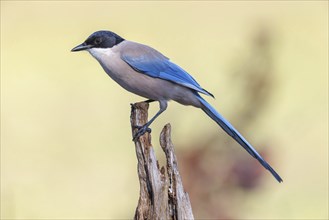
(139, 127)
(145, 128)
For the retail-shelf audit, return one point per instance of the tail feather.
(230, 130)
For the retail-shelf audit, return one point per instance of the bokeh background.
(66, 149)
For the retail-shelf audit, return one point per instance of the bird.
(146, 72)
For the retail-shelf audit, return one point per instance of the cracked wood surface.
(162, 195)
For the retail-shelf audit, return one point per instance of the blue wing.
(149, 61)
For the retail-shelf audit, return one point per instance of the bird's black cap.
(99, 39)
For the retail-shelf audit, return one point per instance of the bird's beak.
(80, 47)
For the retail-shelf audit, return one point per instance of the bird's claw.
(141, 130)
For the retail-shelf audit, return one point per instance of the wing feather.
(151, 62)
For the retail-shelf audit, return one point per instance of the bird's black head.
(99, 39)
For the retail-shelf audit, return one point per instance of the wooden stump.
(162, 195)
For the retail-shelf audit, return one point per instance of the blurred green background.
(66, 149)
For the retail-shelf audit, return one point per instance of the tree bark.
(162, 195)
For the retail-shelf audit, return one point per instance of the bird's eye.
(98, 40)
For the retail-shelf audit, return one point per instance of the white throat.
(101, 53)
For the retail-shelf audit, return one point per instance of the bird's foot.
(141, 130)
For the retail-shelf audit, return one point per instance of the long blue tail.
(230, 130)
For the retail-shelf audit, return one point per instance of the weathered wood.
(162, 195)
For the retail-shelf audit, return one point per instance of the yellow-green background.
(66, 149)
